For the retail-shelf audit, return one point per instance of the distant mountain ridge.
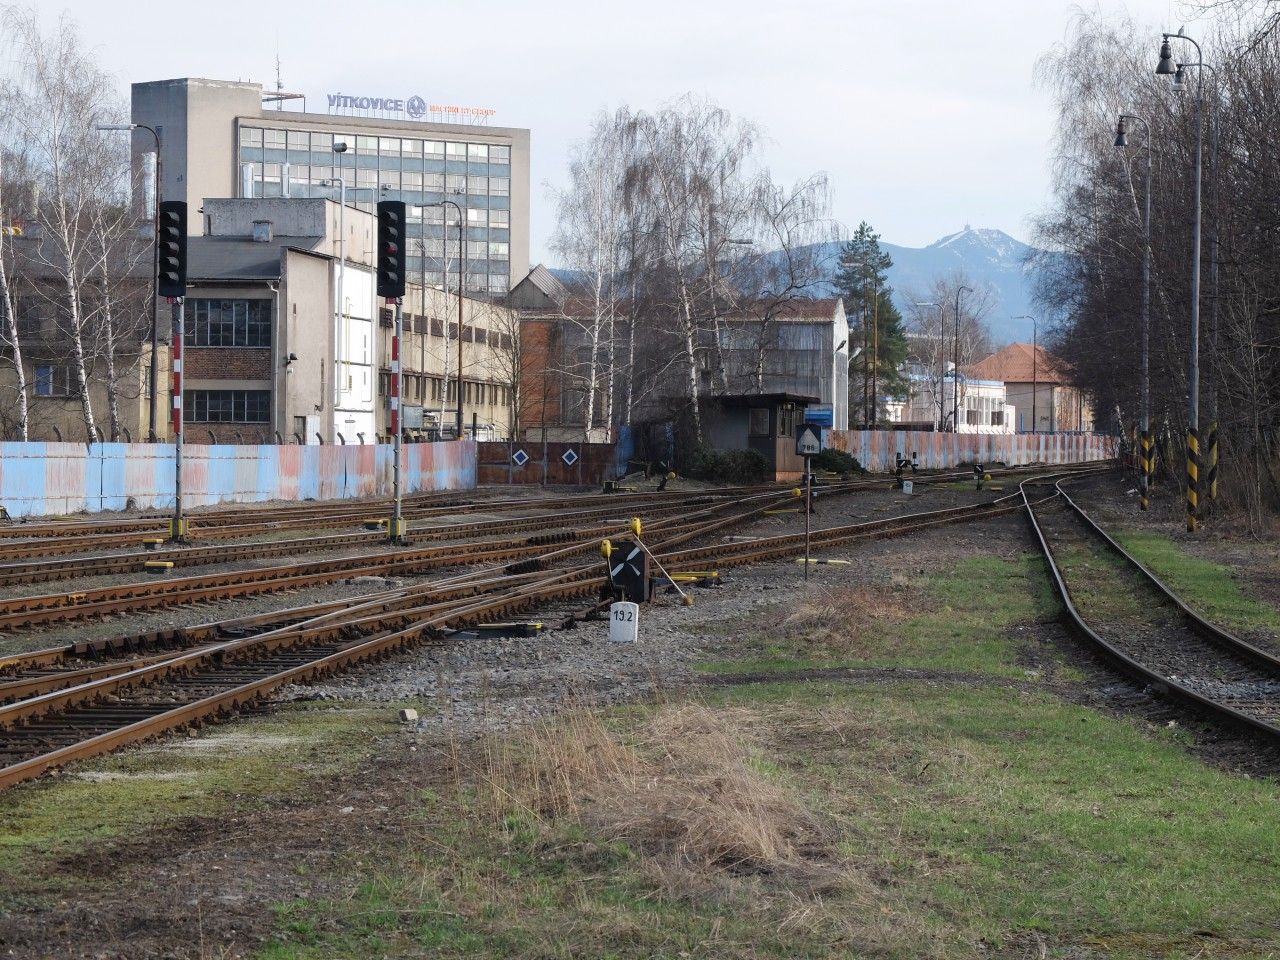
(990, 258)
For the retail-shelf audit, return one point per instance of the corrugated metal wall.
(38, 479)
(593, 463)
(877, 450)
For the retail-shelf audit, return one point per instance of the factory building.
(224, 139)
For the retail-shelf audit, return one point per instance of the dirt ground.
(202, 885)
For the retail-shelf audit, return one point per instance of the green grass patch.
(966, 822)
(999, 814)
(956, 619)
(242, 764)
(1208, 587)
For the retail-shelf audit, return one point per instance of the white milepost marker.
(624, 622)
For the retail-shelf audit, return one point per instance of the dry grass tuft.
(684, 790)
(839, 620)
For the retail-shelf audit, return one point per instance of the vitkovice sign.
(415, 107)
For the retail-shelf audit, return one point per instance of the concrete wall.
(38, 479)
(876, 450)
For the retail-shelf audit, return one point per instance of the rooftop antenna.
(279, 81)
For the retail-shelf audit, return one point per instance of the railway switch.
(629, 571)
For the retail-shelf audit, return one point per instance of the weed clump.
(684, 790)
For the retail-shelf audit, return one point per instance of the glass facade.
(476, 176)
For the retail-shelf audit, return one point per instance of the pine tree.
(875, 324)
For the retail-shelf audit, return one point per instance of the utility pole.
(955, 373)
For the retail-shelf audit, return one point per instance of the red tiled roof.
(1013, 364)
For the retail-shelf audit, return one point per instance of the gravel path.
(493, 682)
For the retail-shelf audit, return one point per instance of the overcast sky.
(922, 112)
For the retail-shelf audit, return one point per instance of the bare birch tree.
(10, 335)
(55, 97)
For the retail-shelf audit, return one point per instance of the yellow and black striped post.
(1211, 468)
(1193, 476)
(1147, 467)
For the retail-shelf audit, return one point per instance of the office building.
(221, 139)
(269, 358)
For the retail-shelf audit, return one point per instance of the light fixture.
(340, 146)
(1179, 80)
(1121, 140)
(1165, 67)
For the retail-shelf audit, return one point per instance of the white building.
(983, 407)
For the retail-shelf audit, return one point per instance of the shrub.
(837, 461)
(727, 466)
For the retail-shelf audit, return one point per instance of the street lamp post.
(1144, 457)
(462, 257)
(153, 383)
(1166, 68)
(942, 358)
(955, 373)
(340, 308)
(1211, 460)
(1035, 355)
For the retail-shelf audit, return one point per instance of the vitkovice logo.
(415, 107)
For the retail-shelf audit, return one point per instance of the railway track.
(42, 540)
(64, 705)
(45, 570)
(31, 540)
(26, 612)
(1145, 628)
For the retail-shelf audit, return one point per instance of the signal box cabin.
(766, 422)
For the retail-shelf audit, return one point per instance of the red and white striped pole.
(397, 524)
(177, 528)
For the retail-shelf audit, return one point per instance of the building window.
(226, 406)
(500, 218)
(55, 382)
(758, 422)
(997, 418)
(251, 136)
(500, 186)
(30, 313)
(478, 152)
(497, 283)
(499, 154)
(228, 323)
(433, 149)
(455, 184)
(786, 421)
(973, 417)
(455, 151)
(499, 251)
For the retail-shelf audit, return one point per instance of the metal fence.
(38, 479)
(877, 450)
(532, 461)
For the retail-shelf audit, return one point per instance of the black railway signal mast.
(171, 283)
(390, 284)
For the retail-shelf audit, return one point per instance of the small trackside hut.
(765, 422)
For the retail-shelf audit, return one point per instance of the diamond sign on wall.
(520, 457)
(569, 458)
